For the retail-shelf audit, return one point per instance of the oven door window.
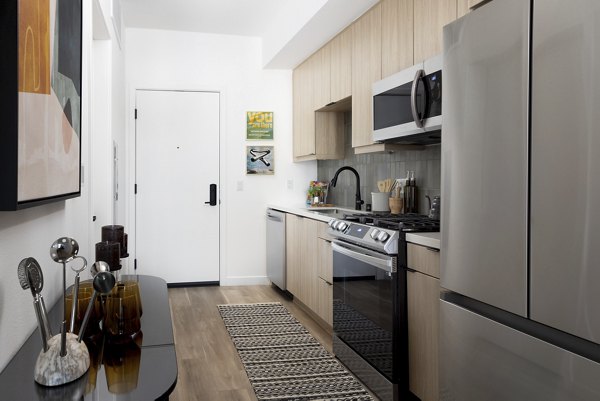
(363, 310)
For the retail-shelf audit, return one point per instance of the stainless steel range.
(369, 298)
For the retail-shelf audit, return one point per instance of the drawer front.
(322, 232)
(423, 259)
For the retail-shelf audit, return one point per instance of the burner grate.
(403, 222)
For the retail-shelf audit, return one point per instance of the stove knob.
(383, 236)
(374, 234)
(332, 223)
(342, 226)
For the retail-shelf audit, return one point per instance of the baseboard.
(192, 284)
(245, 280)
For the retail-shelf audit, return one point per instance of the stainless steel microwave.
(407, 106)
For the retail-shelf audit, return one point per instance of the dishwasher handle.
(274, 217)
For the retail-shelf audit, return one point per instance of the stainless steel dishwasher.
(276, 247)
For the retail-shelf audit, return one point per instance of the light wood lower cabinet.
(301, 258)
(423, 293)
(325, 282)
(309, 261)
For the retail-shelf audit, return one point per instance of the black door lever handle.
(213, 195)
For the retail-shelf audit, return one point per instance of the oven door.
(365, 304)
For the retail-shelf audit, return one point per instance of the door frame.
(131, 170)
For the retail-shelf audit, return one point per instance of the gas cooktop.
(379, 231)
(402, 222)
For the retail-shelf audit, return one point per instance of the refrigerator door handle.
(414, 107)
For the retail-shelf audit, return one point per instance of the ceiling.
(290, 29)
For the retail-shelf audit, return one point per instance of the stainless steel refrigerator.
(520, 303)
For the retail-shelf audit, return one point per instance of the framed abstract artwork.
(40, 101)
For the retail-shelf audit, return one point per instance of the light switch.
(240, 185)
(290, 184)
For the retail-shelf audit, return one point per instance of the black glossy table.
(153, 356)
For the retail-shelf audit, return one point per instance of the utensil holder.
(51, 369)
(396, 205)
(380, 201)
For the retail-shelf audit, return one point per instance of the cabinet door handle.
(328, 283)
(432, 249)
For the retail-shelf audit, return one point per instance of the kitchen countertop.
(310, 211)
(431, 240)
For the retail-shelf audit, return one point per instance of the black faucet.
(359, 201)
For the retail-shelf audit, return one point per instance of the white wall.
(30, 232)
(108, 125)
(157, 59)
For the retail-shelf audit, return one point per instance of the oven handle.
(382, 262)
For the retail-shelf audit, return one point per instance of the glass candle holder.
(109, 252)
(116, 233)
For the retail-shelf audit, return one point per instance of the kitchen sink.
(334, 211)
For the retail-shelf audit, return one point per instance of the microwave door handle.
(414, 107)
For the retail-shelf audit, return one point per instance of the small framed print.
(259, 125)
(260, 160)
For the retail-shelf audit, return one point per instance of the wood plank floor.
(209, 366)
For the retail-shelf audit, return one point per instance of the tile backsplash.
(425, 163)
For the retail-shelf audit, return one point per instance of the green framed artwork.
(259, 125)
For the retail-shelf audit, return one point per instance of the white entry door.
(177, 160)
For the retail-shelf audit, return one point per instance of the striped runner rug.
(282, 360)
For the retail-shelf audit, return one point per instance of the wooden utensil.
(381, 186)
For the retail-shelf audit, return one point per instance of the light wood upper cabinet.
(397, 36)
(341, 66)
(317, 135)
(321, 68)
(304, 116)
(473, 3)
(366, 69)
(430, 16)
(462, 8)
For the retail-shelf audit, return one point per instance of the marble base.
(53, 370)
